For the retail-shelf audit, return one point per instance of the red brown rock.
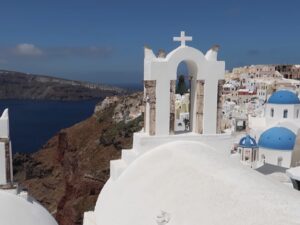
(67, 175)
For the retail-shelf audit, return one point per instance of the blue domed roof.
(279, 138)
(248, 142)
(284, 97)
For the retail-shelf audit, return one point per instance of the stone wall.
(150, 89)
(172, 105)
(199, 106)
(219, 106)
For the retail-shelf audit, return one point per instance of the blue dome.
(279, 138)
(284, 97)
(248, 142)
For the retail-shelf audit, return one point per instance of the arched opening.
(272, 112)
(247, 154)
(285, 113)
(184, 96)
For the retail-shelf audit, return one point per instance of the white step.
(129, 155)
(116, 168)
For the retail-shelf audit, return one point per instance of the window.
(263, 158)
(297, 113)
(272, 112)
(285, 113)
(254, 155)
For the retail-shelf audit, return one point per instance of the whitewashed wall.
(163, 70)
(3, 179)
(278, 111)
(271, 156)
(4, 125)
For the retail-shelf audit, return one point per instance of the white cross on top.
(182, 38)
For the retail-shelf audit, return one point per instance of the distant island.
(18, 85)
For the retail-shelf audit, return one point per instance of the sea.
(34, 122)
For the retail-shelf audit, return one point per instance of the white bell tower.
(6, 171)
(207, 79)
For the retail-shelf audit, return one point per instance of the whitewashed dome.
(22, 210)
(194, 184)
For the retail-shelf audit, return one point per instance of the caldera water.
(33, 123)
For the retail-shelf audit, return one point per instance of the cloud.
(27, 50)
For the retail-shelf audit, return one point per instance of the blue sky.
(102, 41)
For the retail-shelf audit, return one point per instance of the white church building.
(16, 206)
(189, 178)
(277, 127)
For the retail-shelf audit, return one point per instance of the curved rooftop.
(17, 210)
(248, 142)
(284, 97)
(183, 179)
(279, 138)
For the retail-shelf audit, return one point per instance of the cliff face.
(16, 85)
(67, 175)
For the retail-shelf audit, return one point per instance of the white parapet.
(4, 124)
(116, 168)
(143, 143)
(4, 147)
(3, 178)
(89, 218)
(129, 155)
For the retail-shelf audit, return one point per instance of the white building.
(283, 105)
(256, 71)
(230, 86)
(250, 84)
(182, 108)
(276, 145)
(261, 80)
(276, 129)
(294, 174)
(264, 89)
(228, 108)
(6, 171)
(188, 178)
(248, 151)
(16, 206)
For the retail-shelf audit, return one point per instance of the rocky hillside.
(16, 85)
(67, 175)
